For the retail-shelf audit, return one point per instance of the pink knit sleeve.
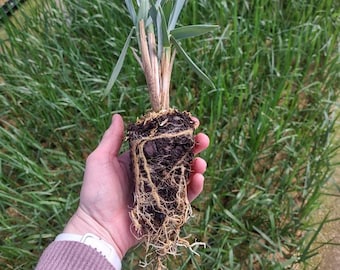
(67, 255)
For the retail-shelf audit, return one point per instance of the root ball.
(161, 147)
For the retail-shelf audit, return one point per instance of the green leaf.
(167, 8)
(159, 20)
(175, 14)
(165, 33)
(192, 65)
(119, 64)
(131, 10)
(155, 16)
(143, 11)
(192, 31)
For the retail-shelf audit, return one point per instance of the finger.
(196, 122)
(195, 186)
(201, 143)
(113, 136)
(199, 165)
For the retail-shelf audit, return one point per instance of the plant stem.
(154, 62)
(147, 61)
(166, 66)
(157, 71)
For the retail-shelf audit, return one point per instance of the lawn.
(270, 120)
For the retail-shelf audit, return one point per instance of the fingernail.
(114, 117)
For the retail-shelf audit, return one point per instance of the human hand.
(106, 195)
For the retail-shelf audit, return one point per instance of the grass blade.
(192, 31)
(191, 63)
(165, 31)
(143, 12)
(131, 10)
(119, 64)
(175, 14)
(167, 8)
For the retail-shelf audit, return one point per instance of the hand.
(106, 195)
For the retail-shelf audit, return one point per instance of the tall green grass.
(270, 120)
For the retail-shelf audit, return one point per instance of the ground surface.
(329, 254)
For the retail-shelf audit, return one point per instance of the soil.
(161, 147)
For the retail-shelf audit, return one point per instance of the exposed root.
(161, 148)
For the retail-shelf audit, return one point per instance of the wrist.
(81, 224)
(96, 243)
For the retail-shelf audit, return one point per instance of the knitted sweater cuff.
(64, 255)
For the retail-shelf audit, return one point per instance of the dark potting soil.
(161, 147)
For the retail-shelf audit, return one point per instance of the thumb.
(113, 137)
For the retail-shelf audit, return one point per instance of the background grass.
(270, 121)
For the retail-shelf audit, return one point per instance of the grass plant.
(162, 140)
(270, 119)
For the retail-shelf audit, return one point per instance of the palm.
(108, 198)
